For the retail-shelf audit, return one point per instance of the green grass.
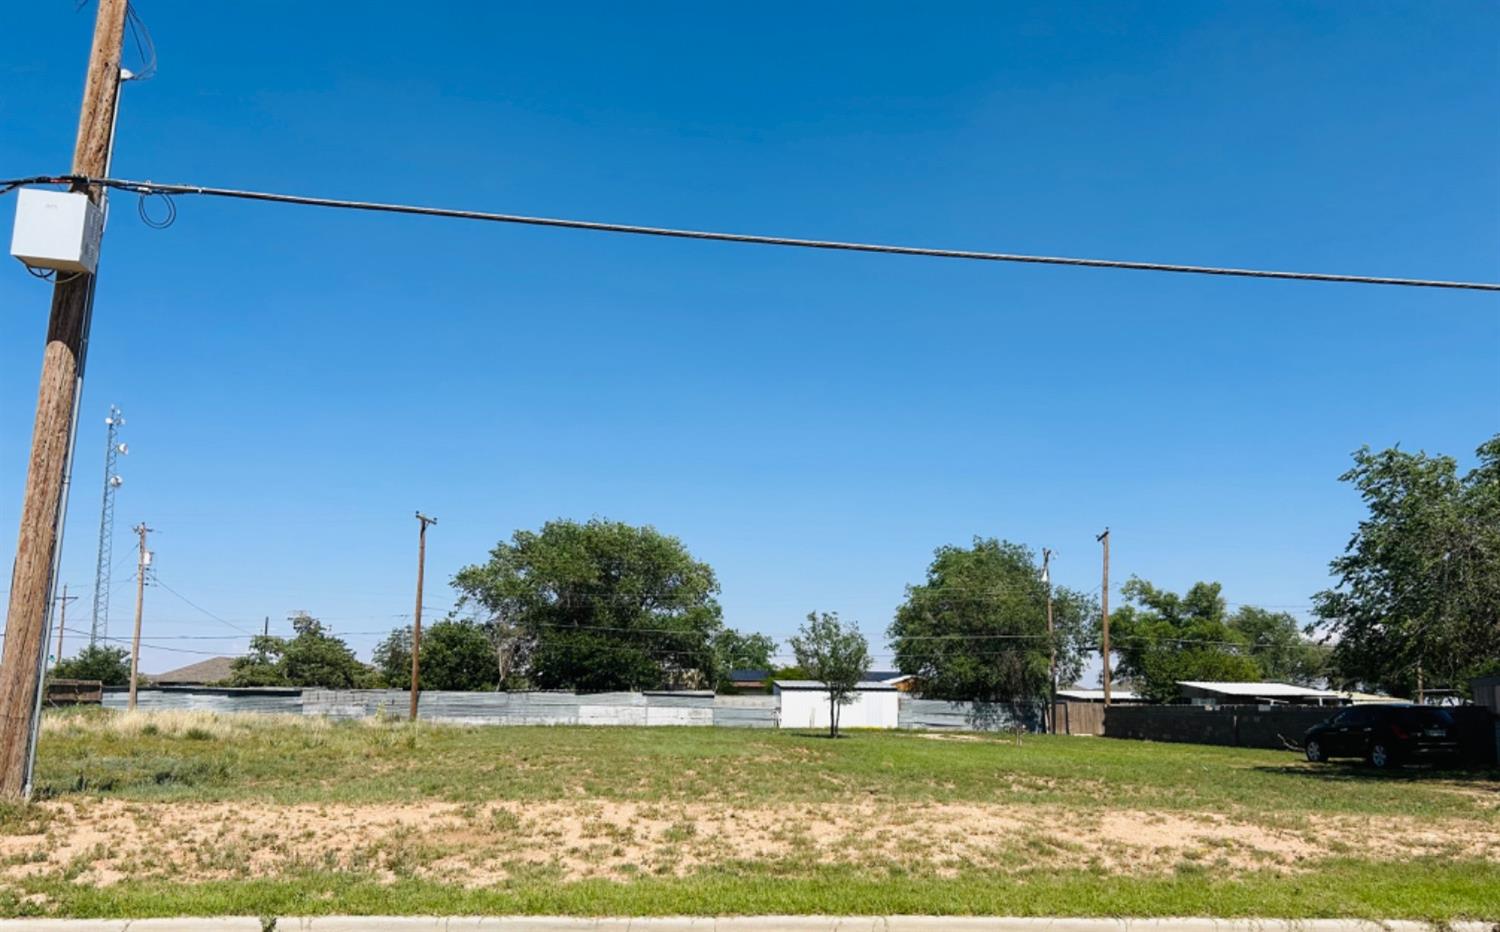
(667, 860)
(1434, 891)
(360, 762)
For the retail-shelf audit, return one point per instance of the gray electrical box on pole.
(56, 230)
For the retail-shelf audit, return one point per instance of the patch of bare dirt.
(100, 842)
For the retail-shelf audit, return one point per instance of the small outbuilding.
(805, 704)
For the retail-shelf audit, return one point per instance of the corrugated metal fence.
(285, 701)
(556, 708)
(938, 715)
(520, 708)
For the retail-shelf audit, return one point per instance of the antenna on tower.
(112, 481)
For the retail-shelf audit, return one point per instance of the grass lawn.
(177, 814)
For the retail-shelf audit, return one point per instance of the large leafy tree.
(109, 665)
(976, 629)
(392, 660)
(735, 650)
(835, 653)
(1418, 593)
(1161, 638)
(313, 657)
(1280, 647)
(600, 605)
(457, 654)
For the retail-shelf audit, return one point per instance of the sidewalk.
(723, 924)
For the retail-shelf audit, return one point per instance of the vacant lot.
(183, 813)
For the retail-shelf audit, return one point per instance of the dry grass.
(189, 725)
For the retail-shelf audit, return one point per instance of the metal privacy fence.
(271, 701)
(519, 708)
(557, 708)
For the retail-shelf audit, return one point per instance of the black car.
(1384, 735)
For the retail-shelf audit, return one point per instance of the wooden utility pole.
(142, 562)
(1104, 604)
(1051, 643)
(416, 618)
(62, 619)
(52, 434)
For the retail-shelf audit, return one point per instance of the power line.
(175, 650)
(200, 608)
(145, 188)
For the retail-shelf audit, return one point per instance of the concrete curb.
(726, 924)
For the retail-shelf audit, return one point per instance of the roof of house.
(212, 670)
(1253, 689)
(882, 676)
(749, 676)
(863, 686)
(1097, 695)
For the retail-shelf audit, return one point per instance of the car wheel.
(1381, 756)
(1314, 752)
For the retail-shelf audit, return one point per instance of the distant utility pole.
(62, 619)
(23, 663)
(416, 618)
(142, 562)
(1104, 604)
(1051, 643)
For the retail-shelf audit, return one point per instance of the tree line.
(602, 605)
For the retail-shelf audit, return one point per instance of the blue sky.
(297, 382)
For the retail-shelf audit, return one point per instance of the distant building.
(1074, 694)
(203, 673)
(905, 682)
(1199, 692)
(749, 681)
(805, 704)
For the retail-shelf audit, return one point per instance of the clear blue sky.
(298, 382)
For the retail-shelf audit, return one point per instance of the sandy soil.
(103, 841)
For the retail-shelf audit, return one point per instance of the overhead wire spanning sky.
(811, 425)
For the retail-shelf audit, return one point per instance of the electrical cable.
(201, 608)
(153, 187)
(145, 46)
(156, 223)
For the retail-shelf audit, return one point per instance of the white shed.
(804, 704)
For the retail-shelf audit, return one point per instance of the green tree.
(1279, 646)
(976, 629)
(599, 606)
(261, 666)
(1418, 592)
(457, 654)
(734, 650)
(1161, 638)
(392, 660)
(835, 653)
(311, 658)
(108, 665)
